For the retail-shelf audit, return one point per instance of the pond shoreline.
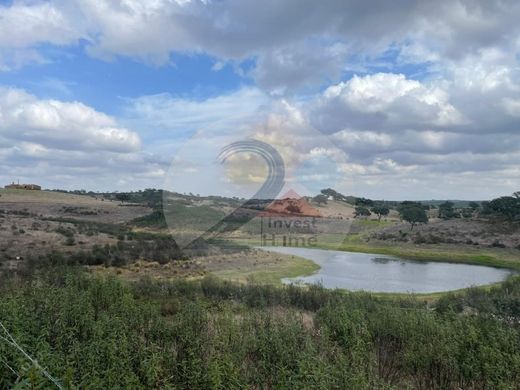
(457, 255)
(491, 257)
(361, 271)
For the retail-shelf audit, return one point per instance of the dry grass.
(57, 204)
(33, 223)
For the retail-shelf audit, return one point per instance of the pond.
(380, 273)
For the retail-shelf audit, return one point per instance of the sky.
(388, 100)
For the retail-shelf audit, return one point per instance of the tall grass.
(92, 332)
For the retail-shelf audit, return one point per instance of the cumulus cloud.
(384, 100)
(23, 26)
(407, 134)
(288, 69)
(382, 128)
(460, 123)
(295, 42)
(69, 125)
(53, 139)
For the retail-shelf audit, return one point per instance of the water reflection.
(369, 272)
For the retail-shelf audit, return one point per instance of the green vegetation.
(447, 211)
(361, 211)
(155, 219)
(413, 213)
(288, 267)
(380, 211)
(91, 332)
(320, 199)
(473, 206)
(201, 218)
(507, 207)
(329, 192)
(364, 202)
(123, 197)
(130, 247)
(150, 197)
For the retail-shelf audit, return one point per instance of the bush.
(67, 232)
(94, 332)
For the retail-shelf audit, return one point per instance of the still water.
(379, 273)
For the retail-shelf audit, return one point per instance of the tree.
(505, 206)
(362, 212)
(474, 206)
(320, 199)
(364, 202)
(380, 211)
(446, 210)
(413, 213)
(329, 192)
(123, 197)
(467, 212)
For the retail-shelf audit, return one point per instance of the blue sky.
(407, 101)
(72, 74)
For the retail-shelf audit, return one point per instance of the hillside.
(131, 237)
(98, 291)
(128, 239)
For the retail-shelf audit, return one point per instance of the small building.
(18, 186)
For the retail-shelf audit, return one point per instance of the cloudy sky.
(386, 99)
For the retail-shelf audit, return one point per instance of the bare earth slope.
(57, 204)
(37, 222)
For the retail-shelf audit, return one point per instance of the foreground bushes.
(103, 333)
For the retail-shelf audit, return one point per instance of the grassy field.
(271, 273)
(22, 196)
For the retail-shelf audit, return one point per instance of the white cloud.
(373, 93)
(512, 106)
(71, 125)
(24, 24)
(383, 101)
(67, 144)
(461, 120)
(363, 139)
(296, 42)
(182, 116)
(300, 66)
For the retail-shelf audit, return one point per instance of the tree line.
(506, 208)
